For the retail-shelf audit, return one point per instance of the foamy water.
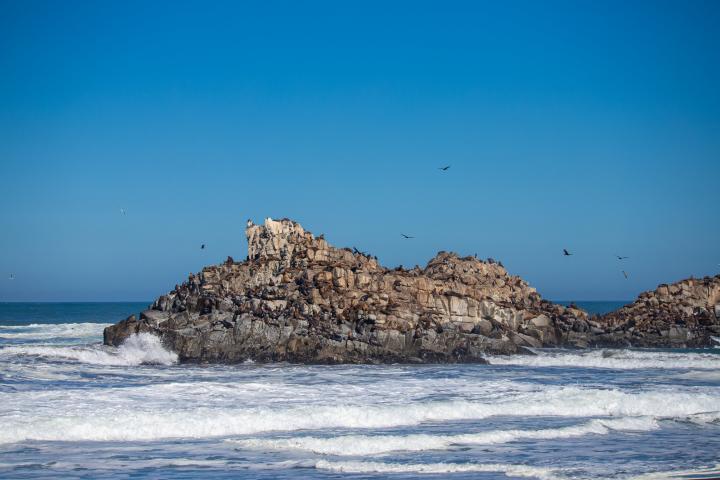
(362, 445)
(70, 407)
(38, 331)
(139, 349)
(615, 359)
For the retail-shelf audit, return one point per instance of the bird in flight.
(625, 274)
(122, 211)
(406, 236)
(12, 276)
(445, 168)
(621, 258)
(202, 247)
(566, 253)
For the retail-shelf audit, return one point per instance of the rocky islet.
(298, 299)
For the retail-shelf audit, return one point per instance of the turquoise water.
(73, 408)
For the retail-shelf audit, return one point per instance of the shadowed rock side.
(682, 314)
(298, 299)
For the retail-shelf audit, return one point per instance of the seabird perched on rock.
(406, 236)
(445, 168)
(566, 253)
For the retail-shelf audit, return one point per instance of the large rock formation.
(682, 314)
(298, 299)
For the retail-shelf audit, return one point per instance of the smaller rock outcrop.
(681, 314)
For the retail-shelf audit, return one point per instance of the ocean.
(72, 408)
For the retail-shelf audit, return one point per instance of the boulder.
(522, 340)
(541, 321)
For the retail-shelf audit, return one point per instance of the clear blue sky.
(591, 126)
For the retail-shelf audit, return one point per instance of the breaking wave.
(699, 474)
(189, 420)
(380, 444)
(613, 359)
(44, 331)
(138, 349)
(436, 468)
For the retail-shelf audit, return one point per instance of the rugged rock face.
(682, 314)
(298, 299)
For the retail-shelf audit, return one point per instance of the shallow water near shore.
(72, 408)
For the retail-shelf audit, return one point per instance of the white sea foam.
(122, 464)
(149, 418)
(700, 375)
(436, 468)
(614, 359)
(361, 445)
(138, 349)
(109, 464)
(701, 473)
(43, 331)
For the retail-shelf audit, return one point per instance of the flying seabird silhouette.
(625, 274)
(621, 258)
(122, 211)
(12, 276)
(406, 236)
(445, 168)
(566, 253)
(202, 247)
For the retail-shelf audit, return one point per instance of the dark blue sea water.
(70, 312)
(72, 408)
(595, 307)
